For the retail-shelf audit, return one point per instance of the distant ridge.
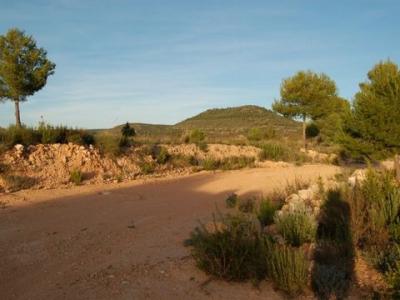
(220, 125)
(245, 117)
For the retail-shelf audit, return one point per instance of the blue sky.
(166, 60)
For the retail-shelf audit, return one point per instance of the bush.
(233, 251)
(16, 182)
(273, 151)
(109, 145)
(44, 134)
(287, 267)
(20, 135)
(196, 136)
(210, 164)
(266, 212)
(76, 177)
(237, 162)
(182, 161)
(127, 131)
(374, 206)
(231, 201)
(297, 226)
(162, 156)
(147, 167)
(255, 134)
(312, 130)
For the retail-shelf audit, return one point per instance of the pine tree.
(24, 68)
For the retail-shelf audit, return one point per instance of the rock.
(357, 177)
(19, 147)
(305, 194)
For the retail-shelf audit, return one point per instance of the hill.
(222, 125)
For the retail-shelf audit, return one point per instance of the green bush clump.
(255, 134)
(76, 177)
(266, 212)
(297, 226)
(375, 206)
(108, 144)
(196, 136)
(287, 267)
(163, 156)
(233, 251)
(232, 200)
(210, 164)
(237, 162)
(274, 151)
(312, 130)
(15, 183)
(43, 134)
(147, 167)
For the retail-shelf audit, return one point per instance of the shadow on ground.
(333, 270)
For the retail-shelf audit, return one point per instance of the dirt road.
(124, 241)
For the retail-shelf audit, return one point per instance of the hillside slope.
(220, 125)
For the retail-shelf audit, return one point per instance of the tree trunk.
(17, 114)
(304, 132)
(397, 166)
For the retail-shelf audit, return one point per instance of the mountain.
(220, 125)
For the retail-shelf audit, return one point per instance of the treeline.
(368, 127)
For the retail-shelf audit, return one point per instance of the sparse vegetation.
(17, 182)
(76, 176)
(232, 200)
(287, 267)
(147, 167)
(43, 134)
(297, 226)
(266, 211)
(233, 250)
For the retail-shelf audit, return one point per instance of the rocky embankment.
(50, 166)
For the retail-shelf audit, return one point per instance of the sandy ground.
(124, 241)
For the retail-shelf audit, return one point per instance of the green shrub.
(266, 212)
(297, 226)
(45, 134)
(287, 267)
(183, 161)
(237, 162)
(375, 206)
(15, 183)
(162, 156)
(109, 145)
(127, 131)
(124, 142)
(233, 251)
(210, 164)
(202, 146)
(76, 177)
(312, 130)
(196, 136)
(147, 167)
(232, 200)
(255, 134)
(20, 135)
(274, 151)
